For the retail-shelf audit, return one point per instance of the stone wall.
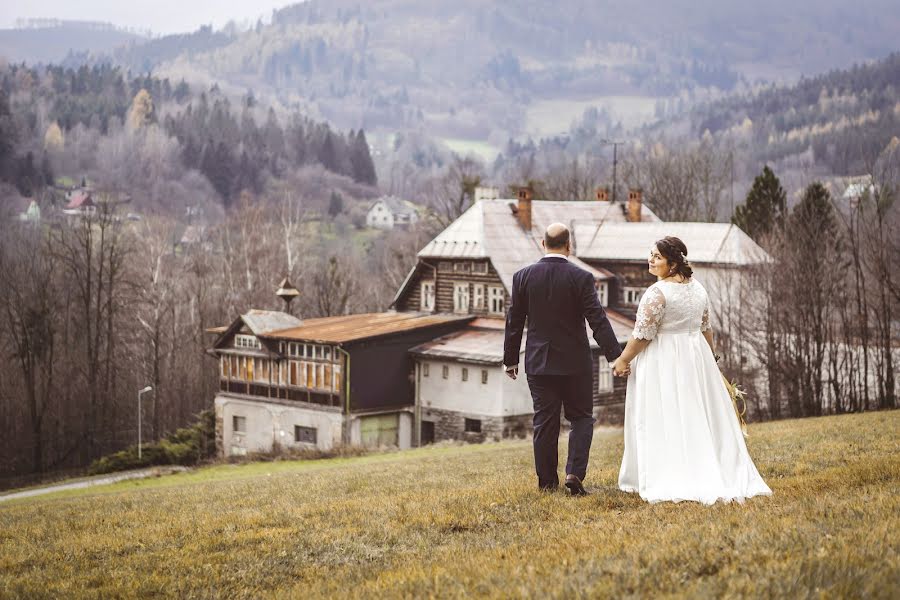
(450, 425)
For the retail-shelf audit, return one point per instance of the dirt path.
(100, 480)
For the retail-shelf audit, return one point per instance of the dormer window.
(480, 268)
(247, 341)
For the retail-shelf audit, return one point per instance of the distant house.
(80, 203)
(32, 214)
(319, 383)
(389, 212)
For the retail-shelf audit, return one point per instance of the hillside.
(48, 41)
(466, 521)
(469, 71)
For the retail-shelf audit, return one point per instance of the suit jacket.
(556, 297)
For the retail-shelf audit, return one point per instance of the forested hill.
(844, 117)
(166, 145)
(476, 70)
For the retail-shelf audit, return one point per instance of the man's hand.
(621, 368)
(512, 372)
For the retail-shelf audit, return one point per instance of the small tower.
(287, 292)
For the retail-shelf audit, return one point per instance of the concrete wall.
(499, 397)
(268, 422)
(404, 432)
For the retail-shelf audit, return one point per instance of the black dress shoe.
(575, 486)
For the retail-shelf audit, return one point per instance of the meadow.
(467, 521)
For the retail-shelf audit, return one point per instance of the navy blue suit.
(556, 297)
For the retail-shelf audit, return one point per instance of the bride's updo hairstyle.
(674, 251)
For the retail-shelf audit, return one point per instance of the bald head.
(556, 238)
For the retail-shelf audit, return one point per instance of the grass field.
(463, 521)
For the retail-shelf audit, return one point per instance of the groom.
(556, 297)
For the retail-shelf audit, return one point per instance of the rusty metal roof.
(350, 328)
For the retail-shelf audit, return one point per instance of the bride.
(683, 440)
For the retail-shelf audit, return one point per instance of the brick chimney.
(524, 210)
(603, 194)
(634, 205)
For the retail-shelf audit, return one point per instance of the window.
(328, 380)
(246, 341)
(480, 268)
(426, 301)
(465, 374)
(327, 352)
(603, 293)
(310, 375)
(337, 379)
(478, 298)
(633, 294)
(239, 424)
(461, 297)
(484, 376)
(445, 265)
(224, 366)
(473, 426)
(445, 372)
(305, 435)
(461, 267)
(496, 299)
(293, 379)
(604, 377)
(424, 369)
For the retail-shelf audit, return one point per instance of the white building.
(389, 212)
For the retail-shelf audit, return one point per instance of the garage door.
(381, 430)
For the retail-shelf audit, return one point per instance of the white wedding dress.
(683, 440)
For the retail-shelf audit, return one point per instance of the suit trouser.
(573, 393)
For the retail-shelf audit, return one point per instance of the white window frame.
(426, 299)
(495, 295)
(243, 340)
(424, 369)
(480, 268)
(461, 297)
(603, 293)
(604, 377)
(632, 295)
(478, 297)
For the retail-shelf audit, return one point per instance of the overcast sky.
(160, 16)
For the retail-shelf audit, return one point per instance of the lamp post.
(141, 393)
(615, 144)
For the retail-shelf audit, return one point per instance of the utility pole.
(615, 144)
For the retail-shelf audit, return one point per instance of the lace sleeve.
(650, 314)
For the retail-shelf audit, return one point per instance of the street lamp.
(141, 393)
(615, 144)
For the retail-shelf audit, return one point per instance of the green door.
(380, 430)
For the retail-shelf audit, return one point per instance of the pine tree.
(764, 208)
(336, 204)
(361, 160)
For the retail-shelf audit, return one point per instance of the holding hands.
(621, 368)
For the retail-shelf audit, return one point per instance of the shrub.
(186, 446)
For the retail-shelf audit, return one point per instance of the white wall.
(499, 397)
(267, 422)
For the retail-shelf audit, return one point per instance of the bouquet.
(737, 395)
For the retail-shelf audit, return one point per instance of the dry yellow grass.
(468, 521)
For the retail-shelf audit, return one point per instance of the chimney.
(603, 194)
(524, 210)
(634, 205)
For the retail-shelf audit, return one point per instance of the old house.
(317, 383)
(389, 212)
(432, 369)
